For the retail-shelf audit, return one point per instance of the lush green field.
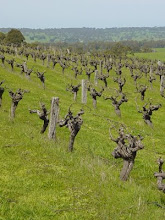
(41, 180)
(158, 54)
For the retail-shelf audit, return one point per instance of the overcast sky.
(81, 13)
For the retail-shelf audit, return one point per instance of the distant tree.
(146, 49)
(2, 37)
(119, 49)
(14, 36)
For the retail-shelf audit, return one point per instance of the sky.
(81, 13)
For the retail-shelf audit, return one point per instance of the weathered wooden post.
(60, 53)
(16, 51)
(162, 85)
(48, 60)
(53, 118)
(101, 66)
(151, 71)
(25, 66)
(54, 51)
(84, 91)
(110, 59)
(96, 77)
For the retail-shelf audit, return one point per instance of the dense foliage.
(2, 37)
(14, 36)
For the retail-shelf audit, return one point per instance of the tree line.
(16, 37)
(85, 35)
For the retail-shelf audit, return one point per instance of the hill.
(85, 35)
(40, 179)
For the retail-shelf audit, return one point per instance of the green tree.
(119, 49)
(14, 36)
(2, 37)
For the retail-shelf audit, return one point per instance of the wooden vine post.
(16, 51)
(84, 91)
(96, 77)
(25, 66)
(53, 118)
(162, 85)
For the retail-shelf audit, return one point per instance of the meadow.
(157, 54)
(40, 179)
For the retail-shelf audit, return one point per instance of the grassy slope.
(41, 180)
(159, 54)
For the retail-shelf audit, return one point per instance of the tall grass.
(40, 179)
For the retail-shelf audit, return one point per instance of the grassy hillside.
(40, 179)
(85, 35)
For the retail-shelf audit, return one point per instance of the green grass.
(158, 54)
(40, 179)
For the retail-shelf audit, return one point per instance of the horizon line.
(38, 28)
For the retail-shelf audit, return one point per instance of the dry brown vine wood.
(41, 76)
(11, 63)
(2, 57)
(142, 90)
(147, 112)
(1, 92)
(74, 89)
(117, 103)
(120, 82)
(94, 94)
(127, 147)
(43, 115)
(160, 175)
(74, 124)
(16, 98)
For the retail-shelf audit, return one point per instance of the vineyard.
(109, 108)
